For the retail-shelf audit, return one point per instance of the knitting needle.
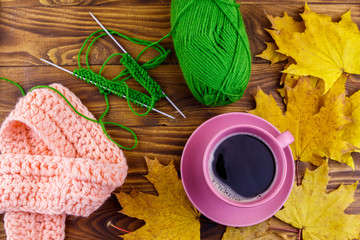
(118, 44)
(68, 71)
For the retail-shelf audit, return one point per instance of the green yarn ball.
(213, 49)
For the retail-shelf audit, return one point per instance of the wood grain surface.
(55, 30)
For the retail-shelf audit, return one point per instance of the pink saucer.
(195, 184)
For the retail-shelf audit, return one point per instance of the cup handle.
(285, 139)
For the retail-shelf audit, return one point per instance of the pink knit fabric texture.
(53, 162)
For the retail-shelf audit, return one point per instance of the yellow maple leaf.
(314, 119)
(170, 215)
(271, 54)
(248, 233)
(318, 214)
(326, 49)
(290, 80)
(280, 25)
(285, 24)
(351, 131)
(256, 232)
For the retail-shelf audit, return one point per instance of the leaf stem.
(300, 233)
(116, 227)
(297, 172)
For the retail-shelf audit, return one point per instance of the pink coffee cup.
(275, 144)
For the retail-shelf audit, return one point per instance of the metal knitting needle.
(118, 44)
(113, 92)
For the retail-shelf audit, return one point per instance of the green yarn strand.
(16, 84)
(132, 70)
(152, 63)
(213, 49)
(107, 60)
(102, 124)
(119, 88)
(142, 77)
(100, 121)
(66, 100)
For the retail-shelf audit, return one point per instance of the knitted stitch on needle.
(53, 162)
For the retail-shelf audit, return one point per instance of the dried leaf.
(271, 54)
(256, 232)
(314, 119)
(167, 216)
(351, 131)
(318, 214)
(290, 80)
(326, 49)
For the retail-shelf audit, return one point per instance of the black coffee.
(244, 167)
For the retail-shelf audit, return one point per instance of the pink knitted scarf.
(53, 162)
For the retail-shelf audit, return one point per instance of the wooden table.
(55, 30)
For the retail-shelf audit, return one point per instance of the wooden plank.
(120, 3)
(58, 33)
(55, 32)
(168, 76)
(2, 231)
(95, 226)
(170, 135)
